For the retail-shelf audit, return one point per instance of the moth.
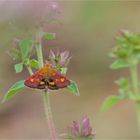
(47, 78)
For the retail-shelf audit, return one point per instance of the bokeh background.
(87, 29)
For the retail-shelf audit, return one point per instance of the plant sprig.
(127, 55)
(24, 54)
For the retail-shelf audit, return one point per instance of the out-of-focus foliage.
(126, 54)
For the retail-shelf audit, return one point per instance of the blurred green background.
(87, 29)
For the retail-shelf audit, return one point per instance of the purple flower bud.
(85, 122)
(52, 5)
(59, 59)
(64, 55)
(51, 55)
(82, 129)
(75, 128)
(86, 131)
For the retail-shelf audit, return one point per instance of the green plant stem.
(48, 113)
(138, 114)
(135, 83)
(39, 47)
(30, 70)
(47, 107)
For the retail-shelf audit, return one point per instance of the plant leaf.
(34, 63)
(122, 82)
(125, 88)
(49, 36)
(15, 54)
(26, 46)
(63, 70)
(18, 67)
(18, 86)
(119, 64)
(73, 88)
(112, 54)
(110, 101)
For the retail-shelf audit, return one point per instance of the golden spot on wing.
(42, 83)
(56, 80)
(62, 79)
(31, 80)
(51, 83)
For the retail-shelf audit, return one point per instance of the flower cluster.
(60, 60)
(81, 129)
(128, 45)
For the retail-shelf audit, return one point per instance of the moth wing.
(33, 81)
(57, 80)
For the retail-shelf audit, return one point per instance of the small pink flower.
(53, 5)
(64, 58)
(81, 129)
(75, 128)
(59, 59)
(51, 55)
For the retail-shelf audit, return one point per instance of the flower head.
(52, 5)
(60, 60)
(127, 45)
(81, 129)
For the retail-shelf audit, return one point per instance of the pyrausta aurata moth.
(47, 78)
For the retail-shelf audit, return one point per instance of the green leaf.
(34, 63)
(138, 57)
(63, 70)
(123, 82)
(26, 61)
(119, 64)
(112, 54)
(18, 67)
(125, 88)
(73, 88)
(49, 36)
(26, 47)
(18, 86)
(110, 101)
(15, 54)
